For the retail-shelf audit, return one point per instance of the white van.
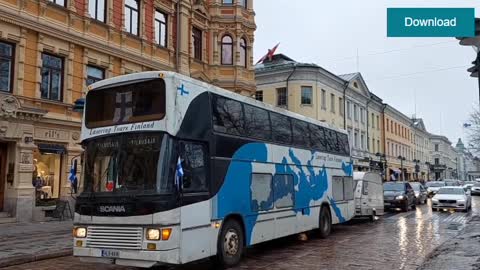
(368, 194)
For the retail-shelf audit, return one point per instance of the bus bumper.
(136, 258)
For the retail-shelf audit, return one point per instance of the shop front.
(35, 154)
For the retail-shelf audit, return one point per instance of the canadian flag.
(269, 55)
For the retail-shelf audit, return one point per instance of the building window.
(388, 125)
(373, 146)
(362, 115)
(197, 43)
(340, 106)
(332, 103)
(306, 95)
(349, 110)
(96, 9)
(131, 16)
(355, 112)
(47, 172)
(324, 100)
(373, 120)
(259, 95)
(161, 28)
(436, 147)
(227, 50)
(437, 161)
(378, 145)
(6, 66)
(362, 141)
(350, 137)
(282, 97)
(62, 3)
(243, 3)
(52, 77)
(94, 74)
(355, 139)
(227, 2)
(243, 52)
(378, 122)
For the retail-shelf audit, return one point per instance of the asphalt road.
(395, 241)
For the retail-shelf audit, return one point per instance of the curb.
(27, 258)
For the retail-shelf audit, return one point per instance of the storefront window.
(46, 177)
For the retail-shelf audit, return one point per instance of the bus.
(176, 170)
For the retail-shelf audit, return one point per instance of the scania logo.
(111, 209)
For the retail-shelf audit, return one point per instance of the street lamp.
(401, 165)
(383, 161)
(428, 170)
(417, 168)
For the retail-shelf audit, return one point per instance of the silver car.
(452, 198)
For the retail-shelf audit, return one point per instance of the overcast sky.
(329, 33)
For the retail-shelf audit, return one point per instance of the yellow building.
(398, 144)
(51, 49)
(342, 101)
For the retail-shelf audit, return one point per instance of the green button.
(430, 22)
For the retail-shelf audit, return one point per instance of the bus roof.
(148, 75)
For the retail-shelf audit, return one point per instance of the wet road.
(396, 241)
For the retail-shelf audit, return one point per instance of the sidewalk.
(461, 252)
(28, 242)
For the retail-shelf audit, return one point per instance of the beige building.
(343, 101)
(444, 158)
(51, 49)
(421, 150)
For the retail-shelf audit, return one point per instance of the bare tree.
(473, 131)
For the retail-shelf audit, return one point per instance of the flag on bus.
(179, 174)
(73, 176)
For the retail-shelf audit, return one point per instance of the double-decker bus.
(176, 170)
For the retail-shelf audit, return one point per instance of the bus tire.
(230, 245)
(325, 220)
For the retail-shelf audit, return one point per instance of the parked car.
(398, 195)
(368, 194)
(421, 194)
(467, 185)
(476, 189)
(452, 198)
(433, 187)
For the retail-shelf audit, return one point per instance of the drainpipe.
(345, 86)
(177, 50)
(368, 139)
(288, 80)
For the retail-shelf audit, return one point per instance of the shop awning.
(51, 148)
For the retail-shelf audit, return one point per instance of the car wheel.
(414, 206)
(405, 207)
(325, 220)
(230, 244)
(434, 209)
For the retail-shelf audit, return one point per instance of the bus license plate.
(110, 253)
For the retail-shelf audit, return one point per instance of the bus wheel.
(230, 244)
(325, 222)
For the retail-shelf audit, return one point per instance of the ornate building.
(50, 50)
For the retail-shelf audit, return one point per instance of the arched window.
(243, 52)
(227, 50)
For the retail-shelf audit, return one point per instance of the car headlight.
(80, 232)
(153, 234)
(434, 200)
(400, 197)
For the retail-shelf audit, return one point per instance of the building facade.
(398, 144)
(444, 158)
(50, 50)
(342, 101)
(421, 150)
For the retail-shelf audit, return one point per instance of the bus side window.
(337, 188)
(193, 157)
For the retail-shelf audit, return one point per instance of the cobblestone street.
(397, 241)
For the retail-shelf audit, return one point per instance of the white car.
(452, 198)
(476, 189)
(433, 187)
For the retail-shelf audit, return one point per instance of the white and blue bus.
(177, 170)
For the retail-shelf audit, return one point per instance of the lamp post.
(417, 168)
(383, 161)
(401, 166)
(428, 170)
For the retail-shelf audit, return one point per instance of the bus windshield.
(133, 163)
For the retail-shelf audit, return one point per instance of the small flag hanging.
(73, 176)
(179, 174)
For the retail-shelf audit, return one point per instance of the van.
(368, 194)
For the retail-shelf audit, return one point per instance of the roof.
(349, 76)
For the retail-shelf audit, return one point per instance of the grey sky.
(329, 33)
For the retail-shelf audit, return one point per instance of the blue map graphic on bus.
(235, 196)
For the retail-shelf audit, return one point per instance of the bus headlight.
(80, 232)
(153, 234)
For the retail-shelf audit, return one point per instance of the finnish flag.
(179, 174)
(73, 175)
